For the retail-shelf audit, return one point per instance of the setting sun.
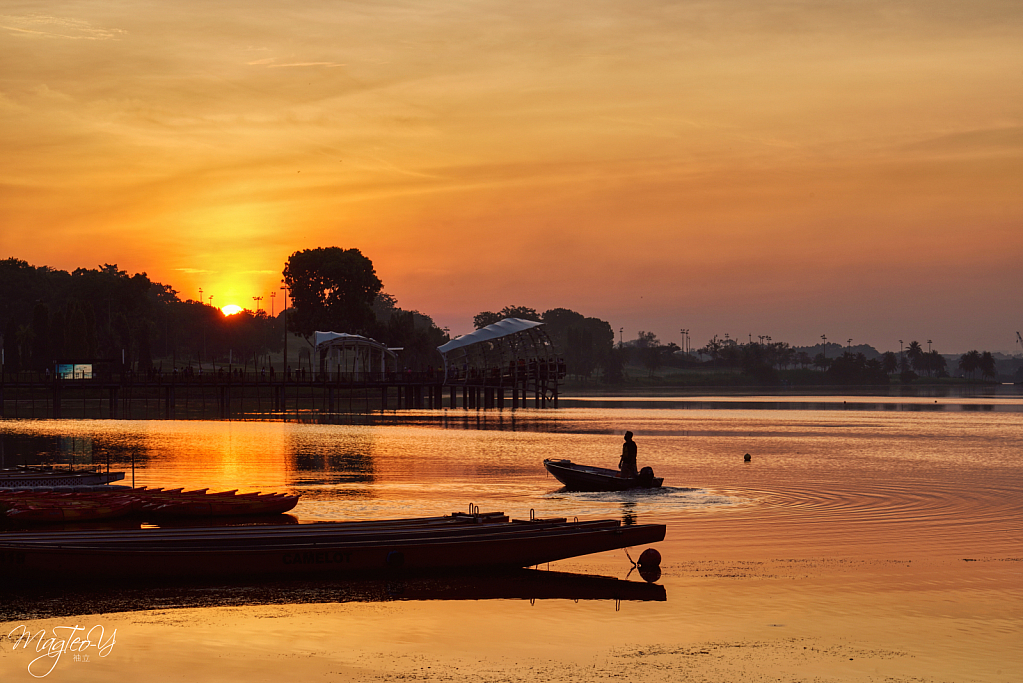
(231, 309)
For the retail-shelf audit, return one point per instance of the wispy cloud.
(194, 271)
(271, 63)
(43, 26)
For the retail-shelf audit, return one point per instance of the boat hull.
(586, 478)
(305, 550)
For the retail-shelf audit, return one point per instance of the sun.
(230, 309)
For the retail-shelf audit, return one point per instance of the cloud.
(270, 63)
(193, 271)
(43, 26)
(1001, 140)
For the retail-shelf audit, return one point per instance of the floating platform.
(24, 477)
(456, 542)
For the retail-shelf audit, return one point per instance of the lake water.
(869, 539)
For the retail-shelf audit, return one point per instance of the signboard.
(74, 371)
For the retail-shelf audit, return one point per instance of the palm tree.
(915, 353)
(936, 364)
(889, 362)
(969, 362)
(987, 365)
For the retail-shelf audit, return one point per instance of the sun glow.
(230, 309)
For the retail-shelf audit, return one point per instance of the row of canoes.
(455, 542)
(148, 503)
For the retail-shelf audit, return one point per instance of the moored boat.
(58, 506)
(588, 478)
(453, 543)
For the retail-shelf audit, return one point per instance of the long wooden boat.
(451, 543)
(158, 504)
(56, 506)
(588, 478)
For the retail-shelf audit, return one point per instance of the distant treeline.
(768, 362)
(49, 315)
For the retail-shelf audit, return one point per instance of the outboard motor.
(646, 476)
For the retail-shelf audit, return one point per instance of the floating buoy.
(747, 458)
(649, 558)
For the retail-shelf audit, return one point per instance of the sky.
(793, 169)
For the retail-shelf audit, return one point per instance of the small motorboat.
(587, 478)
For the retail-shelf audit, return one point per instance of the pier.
(229, 394)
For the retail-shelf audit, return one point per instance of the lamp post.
(621, 337)
(825, 338)
(902, 362)
(257, 299)
(273, 295)
(284, 365)
(200, 295)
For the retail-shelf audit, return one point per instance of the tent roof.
(327, 337)
(501, 328)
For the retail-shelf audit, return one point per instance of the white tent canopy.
(499, 329)
(509, 352)
(353, 355)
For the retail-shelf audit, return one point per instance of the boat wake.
(665, 501)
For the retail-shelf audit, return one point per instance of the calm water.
(880, 536)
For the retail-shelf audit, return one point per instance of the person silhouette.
(627, 465)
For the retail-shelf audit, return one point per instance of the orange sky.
(788, 169)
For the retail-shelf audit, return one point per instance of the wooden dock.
(234, 395)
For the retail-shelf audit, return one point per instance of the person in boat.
(627, 465)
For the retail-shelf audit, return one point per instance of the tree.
(969, 362)
(915, 354)
(936, 364)
(76, 344)
(646, 340)
(712, 349)
(331, 289)
(986, 364)
(583, 342)
(484, 318)
(854, 368)
(890, 362)
(42, 351)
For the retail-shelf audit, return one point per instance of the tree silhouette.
(890, 362)
(969, 362)
(986, 363)
(915, 354)
(331, 289)
(936, 364)
(484, 318)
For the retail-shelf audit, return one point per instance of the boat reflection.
(44, 602)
